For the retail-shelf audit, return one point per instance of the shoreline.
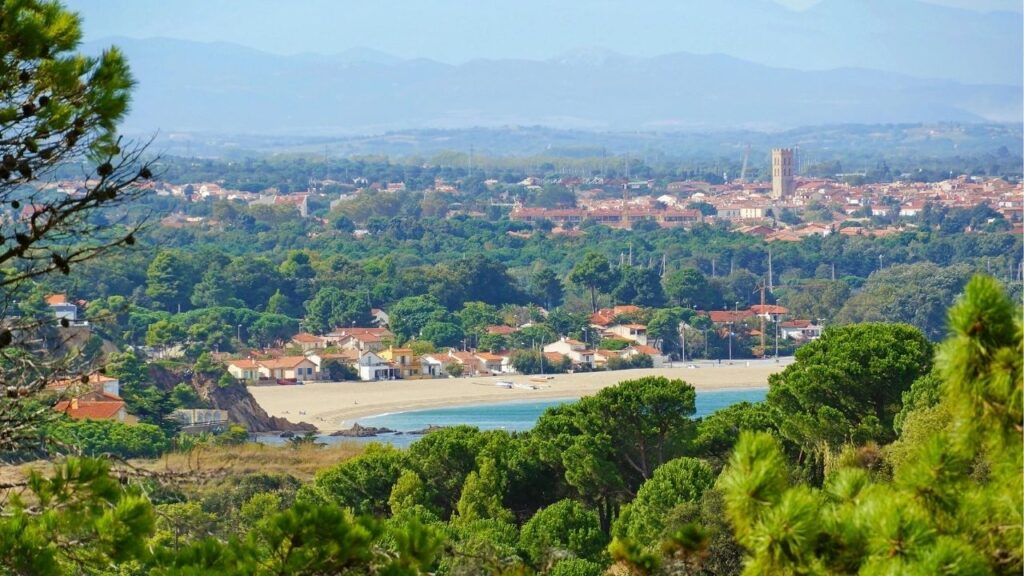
(532, 400)
(338, 405)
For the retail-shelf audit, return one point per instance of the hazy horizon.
(890, 35)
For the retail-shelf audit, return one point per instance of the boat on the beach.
(503, 384)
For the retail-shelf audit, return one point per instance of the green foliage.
(546, 288)
(717, 433)
(632, 362)
(689, 288)
(363, 483)
(332, 308)
(925, 392)
(916, 294)
(594, 273)
(614, 344)
(81, 518)
(954, 504)
(674, 483)
(566, 528)
(410, 315)
(337, 371)
(167, 281)
(482, 494)
(444, 459)
(531, 362)
(97, 437)
(639, 286)
(610, 443)
(576, 567)
(847, 386)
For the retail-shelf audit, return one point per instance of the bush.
(95, 437)
(566, 527)
(576, 567)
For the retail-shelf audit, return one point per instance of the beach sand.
(336, 406)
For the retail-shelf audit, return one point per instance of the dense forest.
(874, 452)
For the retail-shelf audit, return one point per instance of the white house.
(288, 368)
(373, 367)
(635, 332)
(245, 370)
(432, 366)
(800, 330)
(576, 351)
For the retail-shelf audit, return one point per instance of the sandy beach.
(335, 406)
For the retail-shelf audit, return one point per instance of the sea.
(511, 416)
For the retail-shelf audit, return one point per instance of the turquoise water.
(512, 416)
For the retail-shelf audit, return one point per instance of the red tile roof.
(105, 409)
(649, 350)
(282, 362)
(768, 309)
(56, 299)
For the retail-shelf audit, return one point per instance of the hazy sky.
(446, 30)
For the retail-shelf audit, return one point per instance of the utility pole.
(763, 315)
(770, 285)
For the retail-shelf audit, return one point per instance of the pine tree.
(953, 508)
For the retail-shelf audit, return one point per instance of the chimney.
(74, 403)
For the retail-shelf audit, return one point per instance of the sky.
(451, 31)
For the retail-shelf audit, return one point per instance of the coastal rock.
(428, 430)
(358, 431)
(242, 408)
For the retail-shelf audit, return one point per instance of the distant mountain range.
(224, 88)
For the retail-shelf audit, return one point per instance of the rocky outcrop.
(235, 398)
(242, 408)
(358, 431)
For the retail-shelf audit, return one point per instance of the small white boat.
(503, 384)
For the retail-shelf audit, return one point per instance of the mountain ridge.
(227, 88)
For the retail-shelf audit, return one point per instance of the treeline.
(221, 288)
(871, 453)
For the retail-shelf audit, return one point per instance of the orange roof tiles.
(102, 409)
(56, 299)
